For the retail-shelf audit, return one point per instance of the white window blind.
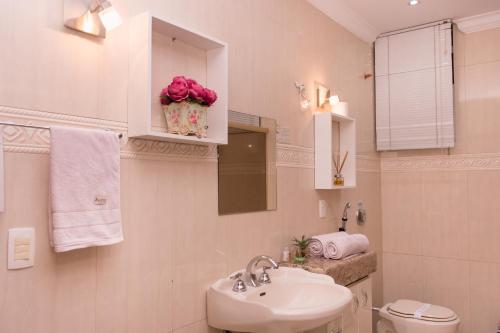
(414, 88)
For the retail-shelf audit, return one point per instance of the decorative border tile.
(46, 118)
(138, 147)
(294, 156)
(36, 141)
(448, 162)
(303, 157)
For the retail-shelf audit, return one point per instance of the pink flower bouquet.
(185, 103)
(188, 90)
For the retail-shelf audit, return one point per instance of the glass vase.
(338, 180)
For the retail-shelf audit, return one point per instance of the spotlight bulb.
(334, 100)
(110, 18)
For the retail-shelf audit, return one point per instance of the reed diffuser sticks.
(338, 179)
(336, 162)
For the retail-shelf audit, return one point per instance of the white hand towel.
(318, 243)
(84, 188)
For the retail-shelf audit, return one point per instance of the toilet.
(407, 316)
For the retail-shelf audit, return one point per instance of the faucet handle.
(239, 286)
(264, 277)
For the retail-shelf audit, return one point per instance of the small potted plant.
(301, 249)
(185, 103)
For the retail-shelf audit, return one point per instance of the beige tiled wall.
(175, 242)
(441, 229)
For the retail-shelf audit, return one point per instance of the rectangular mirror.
(247, 165)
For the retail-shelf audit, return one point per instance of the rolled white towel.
(315, 247)
(342, 247)
(318, 243)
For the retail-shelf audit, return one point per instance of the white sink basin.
(295, 301)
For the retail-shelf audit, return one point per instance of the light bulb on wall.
(100, 17)
(109, 16)
(305, 104)
(334, 100)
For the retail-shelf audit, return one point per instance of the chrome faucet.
(252, 267)
(344, 216)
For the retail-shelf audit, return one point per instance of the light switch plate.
(322, 209)
(21, 248)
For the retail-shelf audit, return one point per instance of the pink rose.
(164, 99)
(178, 89)
(209, 97)
(196, 90)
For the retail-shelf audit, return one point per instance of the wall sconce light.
(100, 17)
(330, 102)
(323, 97)
(305, 103)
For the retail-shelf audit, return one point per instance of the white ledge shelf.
(333, 132)
(159, 50)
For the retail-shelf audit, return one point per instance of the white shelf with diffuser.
(160, 50)
(334, 148)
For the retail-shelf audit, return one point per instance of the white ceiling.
(369, 18)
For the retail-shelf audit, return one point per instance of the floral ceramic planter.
(186, 119)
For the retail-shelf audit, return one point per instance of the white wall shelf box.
(327, 140)
(160, 50)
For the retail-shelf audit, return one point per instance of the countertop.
(344, 271)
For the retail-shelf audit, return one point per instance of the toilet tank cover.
(417, 310)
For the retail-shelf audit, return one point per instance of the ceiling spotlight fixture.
(99, 18)
(413, 2)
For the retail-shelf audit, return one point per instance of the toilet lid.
(421, 311)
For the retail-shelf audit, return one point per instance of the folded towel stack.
(338, 245)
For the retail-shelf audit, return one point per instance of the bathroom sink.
(295, 301)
